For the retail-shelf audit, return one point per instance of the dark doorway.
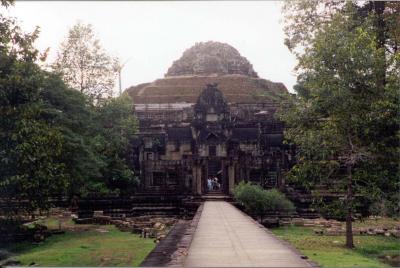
(214, 172)
(212, 150)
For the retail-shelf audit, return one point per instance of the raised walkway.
(226, 237)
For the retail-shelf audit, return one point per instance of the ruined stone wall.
(259, 160)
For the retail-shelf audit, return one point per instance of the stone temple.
(210, 116)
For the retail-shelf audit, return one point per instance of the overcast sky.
(154, 34)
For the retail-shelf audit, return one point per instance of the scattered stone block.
(284, 222)
(100, 230)
(319, 231)
(66, 214)
(9, 262)
(332, 231)
(4, 254)
(38, 237)
(83, 221)
(97, 213)
(298, 222)
(363, 231)
(161, 236)
(270, 222)
(395, 233)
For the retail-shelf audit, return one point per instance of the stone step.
(216, 197)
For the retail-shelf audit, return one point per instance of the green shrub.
(278, 202)
(258, 201)
(388, 207)
(252, 197)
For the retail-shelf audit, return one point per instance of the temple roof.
(207, 134)
(209, 63)
(210, 58)
(236, 89)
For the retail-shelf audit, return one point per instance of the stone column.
(196, 183)
(194, 178)
(198, 180)
(231, 177)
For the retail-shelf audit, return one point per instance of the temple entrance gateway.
(214, 172)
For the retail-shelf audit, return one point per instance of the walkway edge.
(179, 256)
(172, 250)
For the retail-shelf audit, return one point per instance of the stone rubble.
(146, 226)
(331, 227)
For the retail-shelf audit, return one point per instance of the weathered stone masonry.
(210, 116)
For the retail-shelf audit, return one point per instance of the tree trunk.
(349, 214)
(379, 8)
(380, 28)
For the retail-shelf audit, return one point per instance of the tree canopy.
(54, 143)
(344, 116)
(85, 65)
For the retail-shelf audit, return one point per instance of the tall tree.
(70, 112)
(344, 116)
(95, 139)
(53, 141)
(6, 3)
(85, 65)
(116, 125)
(30, 146)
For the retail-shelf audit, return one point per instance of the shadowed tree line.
(55, 140)
(345, 115)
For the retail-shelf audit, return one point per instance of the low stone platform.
(172, 250)
(161, 254)
(216, 196)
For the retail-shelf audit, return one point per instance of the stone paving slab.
(226, 237)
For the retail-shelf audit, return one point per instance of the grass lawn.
(105, 247)
(329, 251)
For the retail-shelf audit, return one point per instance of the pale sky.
(154, 34)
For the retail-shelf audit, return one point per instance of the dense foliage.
(54, 143)
(258, 201)
(344, 117)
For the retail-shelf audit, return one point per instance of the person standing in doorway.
(216, 183)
